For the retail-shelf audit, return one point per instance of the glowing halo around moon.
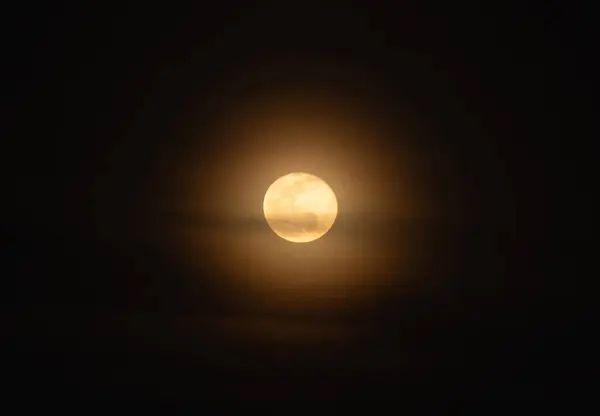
(300, 207)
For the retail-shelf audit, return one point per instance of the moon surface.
(300, 207)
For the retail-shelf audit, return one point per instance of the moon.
(300, 207)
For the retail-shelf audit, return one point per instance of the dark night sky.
(100, 98)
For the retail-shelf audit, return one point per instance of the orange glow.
(333, 139)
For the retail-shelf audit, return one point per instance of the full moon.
(300, 207)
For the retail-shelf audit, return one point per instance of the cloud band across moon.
(300, 207)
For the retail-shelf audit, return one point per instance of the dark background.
(95, 96)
